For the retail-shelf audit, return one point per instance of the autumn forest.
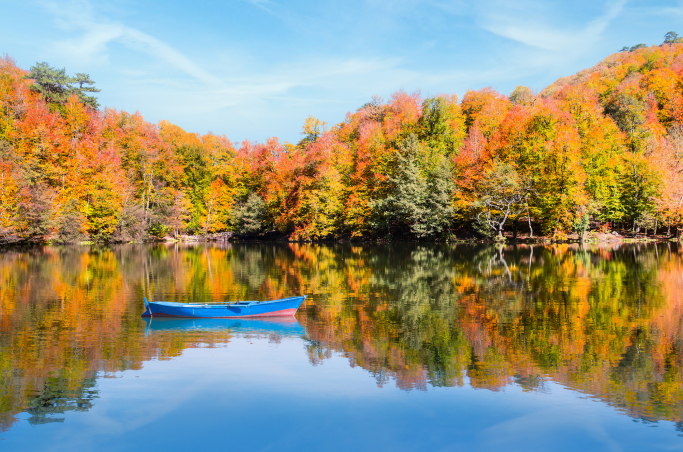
(599, 150)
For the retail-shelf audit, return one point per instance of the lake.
(398, 347)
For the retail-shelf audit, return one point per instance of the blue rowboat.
(285, 307)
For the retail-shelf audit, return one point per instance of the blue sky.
(252, 69)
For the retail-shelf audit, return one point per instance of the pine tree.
(420, 197)
(249, 217)
(56, 86)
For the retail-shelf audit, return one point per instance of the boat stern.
(147, 312)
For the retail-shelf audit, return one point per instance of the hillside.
(599, 149)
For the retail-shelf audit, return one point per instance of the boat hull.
(285, 307)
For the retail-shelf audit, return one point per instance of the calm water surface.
(399, 347)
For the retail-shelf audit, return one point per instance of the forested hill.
(602, 148)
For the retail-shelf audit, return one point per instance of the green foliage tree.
(56, 86)
(628, 113)
(85, 85)
(442, 124)
(633, 48)
(671, 38)
(248, 217)
(420, 199)
(639, 188)
(51, 82)
(196, 180)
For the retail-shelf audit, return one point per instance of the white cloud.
(526, 22)
(97, 34)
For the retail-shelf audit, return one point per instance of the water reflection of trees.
(68, 315)
(57, 396)
(605, 321)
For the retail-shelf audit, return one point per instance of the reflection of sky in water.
(258, 394)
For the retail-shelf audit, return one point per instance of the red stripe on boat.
(283, 313)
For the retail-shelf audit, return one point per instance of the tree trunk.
(208, 217)
(531, 231)
(144, 190)
(149, 194)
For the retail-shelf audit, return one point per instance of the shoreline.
(508, 239)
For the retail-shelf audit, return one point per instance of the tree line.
(600, 149)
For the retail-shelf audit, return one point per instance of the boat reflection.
(284, 327)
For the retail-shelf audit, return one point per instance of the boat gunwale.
(220, 304)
